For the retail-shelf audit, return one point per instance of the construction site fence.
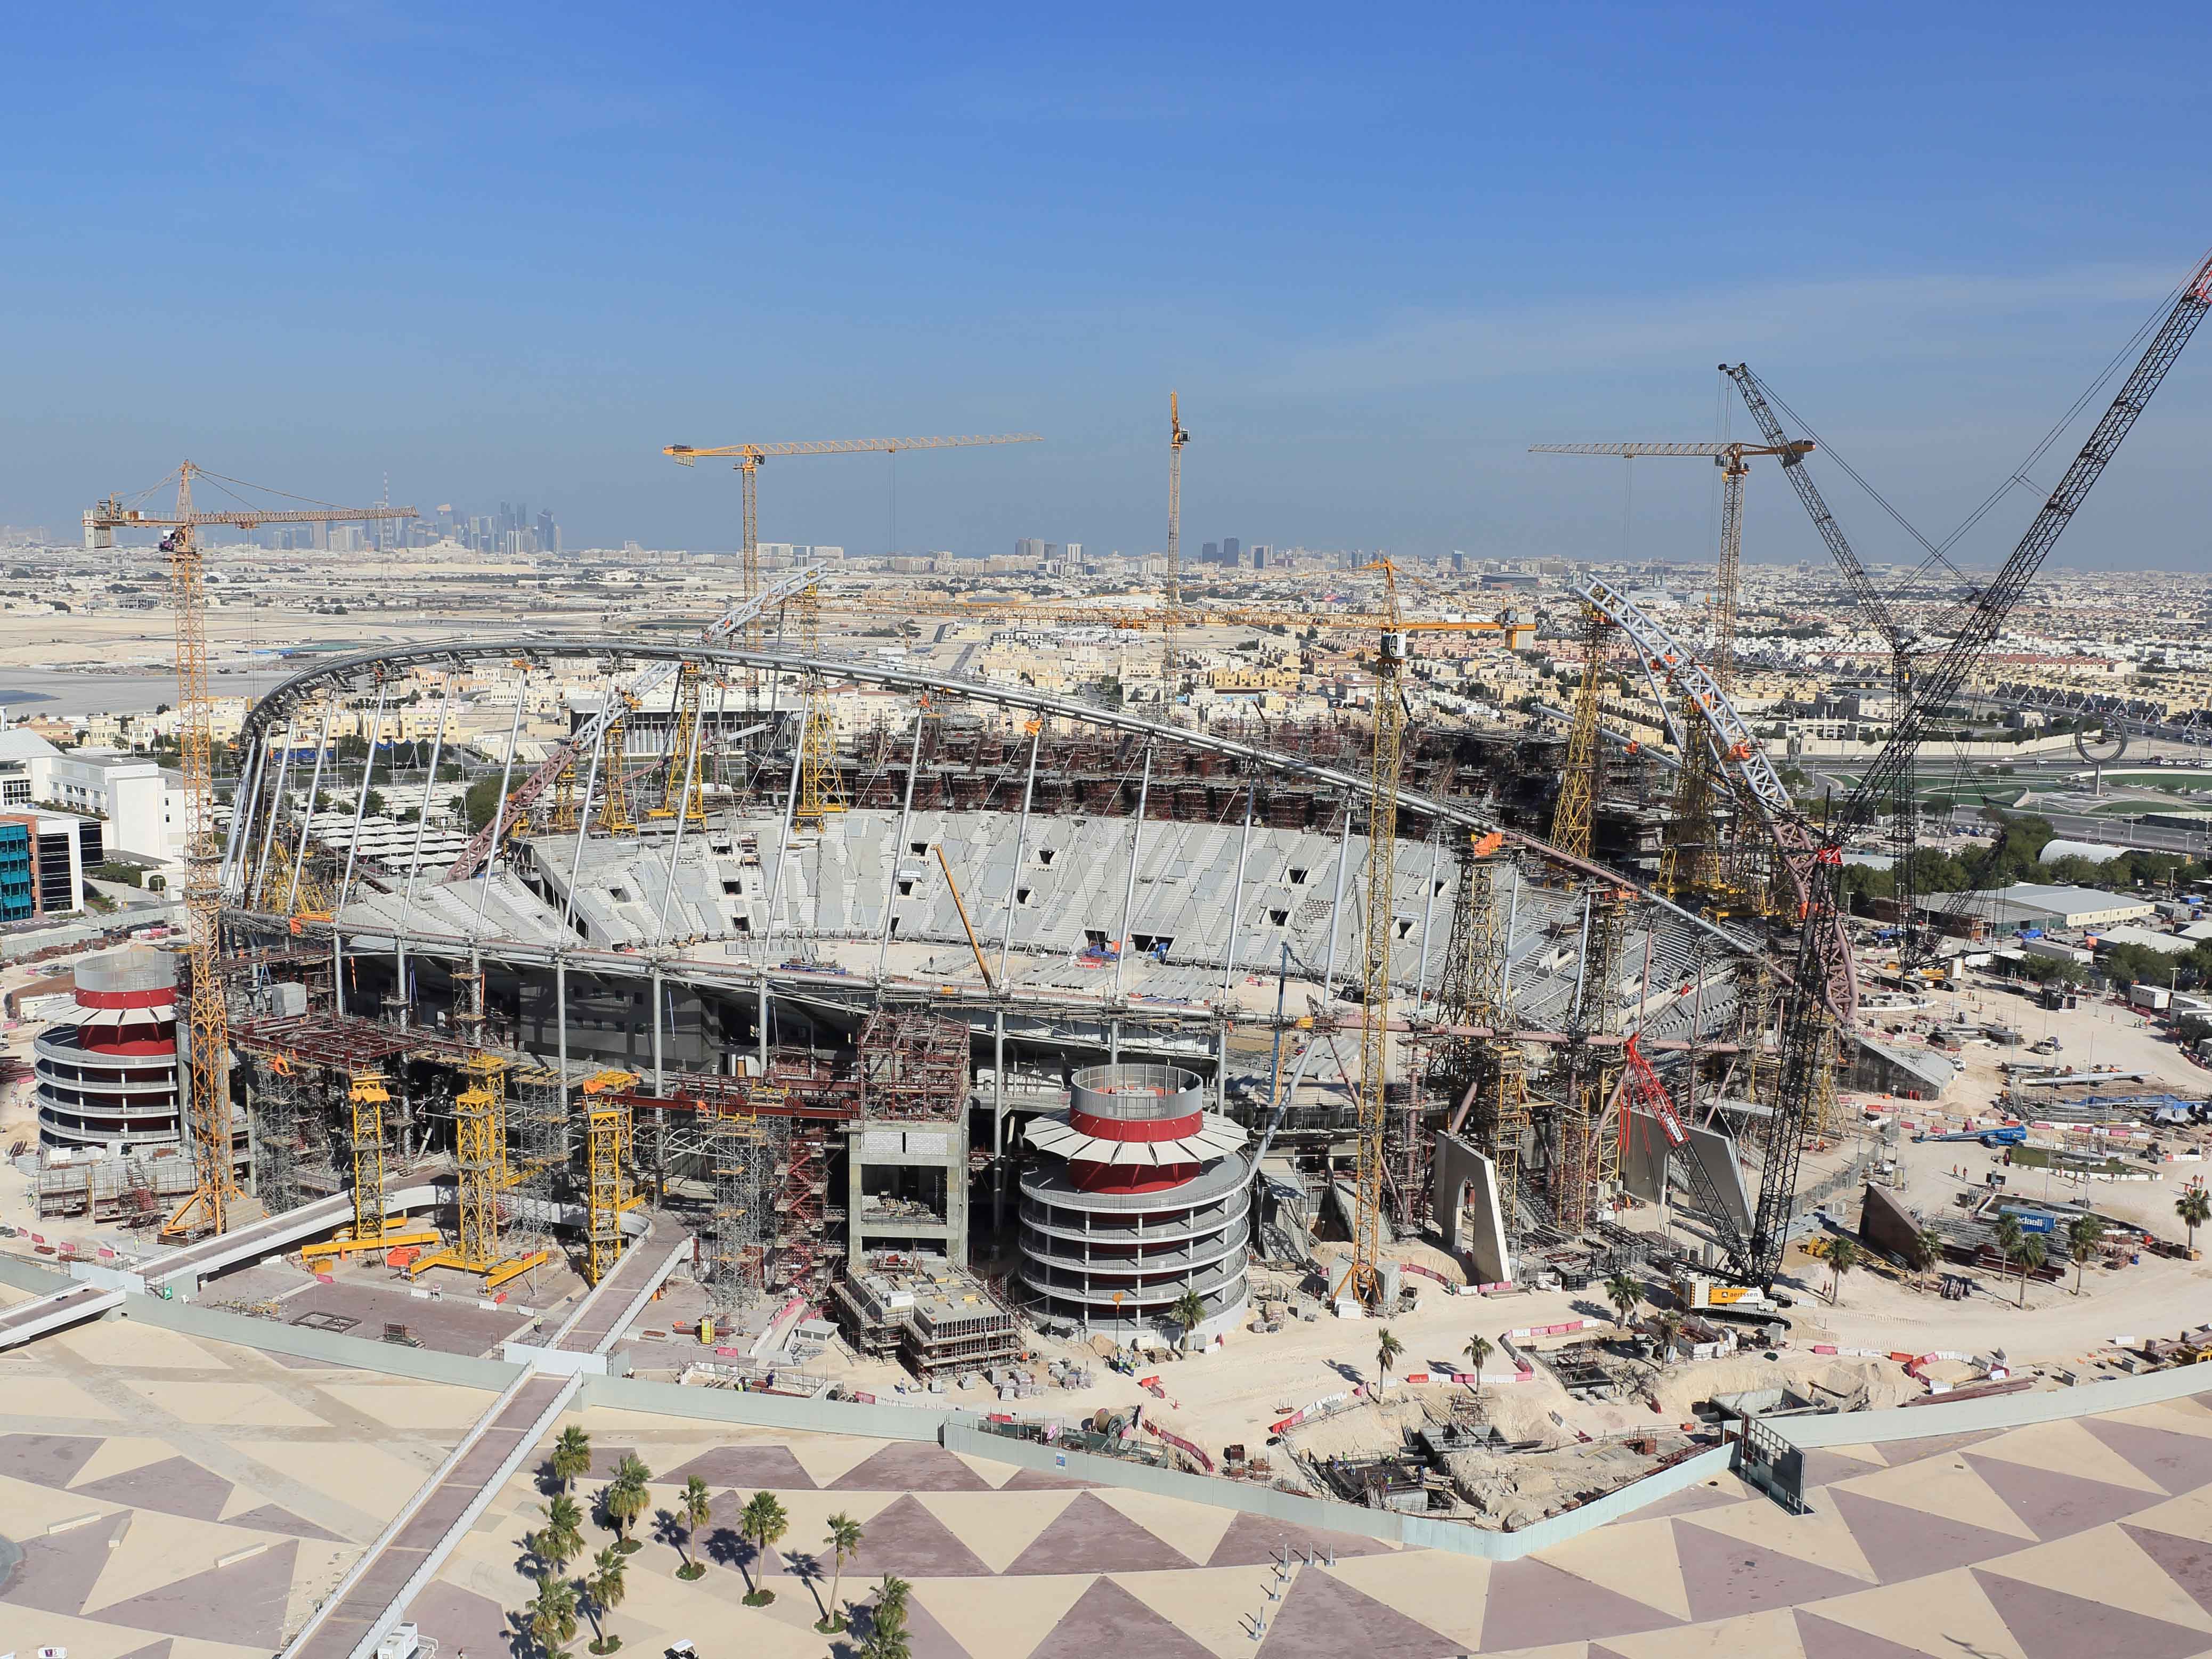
(2013, 1411)
(963, 1434)
(771, 1411)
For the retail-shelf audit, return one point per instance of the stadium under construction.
(835, 1002)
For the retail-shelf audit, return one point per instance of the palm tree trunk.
(836, 1581)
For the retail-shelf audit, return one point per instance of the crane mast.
(208, 1109)
(1914, 945)
(1176, 438)
(1809, 1030)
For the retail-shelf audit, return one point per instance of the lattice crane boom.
(1808, 1031)
(208, 1111)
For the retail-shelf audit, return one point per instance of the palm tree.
(1387, 1350)
(553, 1614)
(698, 1507)
(2009, 1236)
(626, 1499)
(1624, 1292)
(1478, 1350)
(844, 1542)
(605, 1588)
(2031, 1254)
(561, 1539)
(762, 1521)
(887, 1632)
(1927, 1250)
(2195, 1209)
(572, 1456)
(1670, 1332)
(2083, 1234)
(1189, 1312)
(1843, 1256)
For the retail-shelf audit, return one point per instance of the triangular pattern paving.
(243, 1604)
(1900, 1543)
(2049, 1624)
(1692, 1499)
(1091, 1535)
(2057, 1505)
(1533, 1603)
(906, 1539)
(2107, 1565)
(1823, 1465)
(175, 1485)
(910, 1466)
(2180, 1462)
(152, 1651)
(1000, 1618)
(1046, 1481)
(1823, 1638)
(1107, 1620)
(755, 1469)
(271, 1518)
(58, 1571)
(1252, 1540)
(1727, 1577)
(1897, 1453)
(45, 1460)
(2187, 1561)
(1324, 1618)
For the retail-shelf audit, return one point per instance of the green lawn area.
(2037, 1157)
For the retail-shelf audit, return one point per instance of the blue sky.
(507, 253)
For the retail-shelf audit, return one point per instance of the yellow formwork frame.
(366, 1097)
(606, 1142)
(480, 1150)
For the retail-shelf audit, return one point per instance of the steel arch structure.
(341, 672)
(1734, 747)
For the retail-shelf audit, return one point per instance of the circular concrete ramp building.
(1139, 1194)
(110, 1079)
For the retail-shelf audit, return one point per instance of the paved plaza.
(171, 1496)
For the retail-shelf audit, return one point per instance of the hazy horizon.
(511, 254)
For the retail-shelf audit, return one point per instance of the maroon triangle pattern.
(1107, 1620)
(1324, 1618)
(271, 1518)
(2187, 1561)
(243, 1604)
(1900, 1543)
(1091, 1535)
(45, 1460)
(1533, 1604)
(1693, 1500)
(906, 1539)
(2180, 1462)
(755, 1468)
(910, 1466)
(2057, 1505)
(1823, 1638)
(58, 1571)
(1253, 1539)
(2049, 1624)
(1726, 1578)
(175, 1485)
(1046, 1480)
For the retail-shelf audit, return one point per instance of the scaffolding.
(606, 1145)
(614, 817)
(1585, 1151)
(1582, 778)
(537, 1152)
(277, 1134)
(690, 683)
(912, 1066)
(821, 785)
(740, 1225)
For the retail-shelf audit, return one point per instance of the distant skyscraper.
(549, 533)
(1072, 552)
(1230, 547)
(1029, 547)
(1210, 554)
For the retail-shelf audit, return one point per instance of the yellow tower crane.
(1362, 1278)
(1176, 438)
(209, 1111)
(746, 459)
(1692, 864)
